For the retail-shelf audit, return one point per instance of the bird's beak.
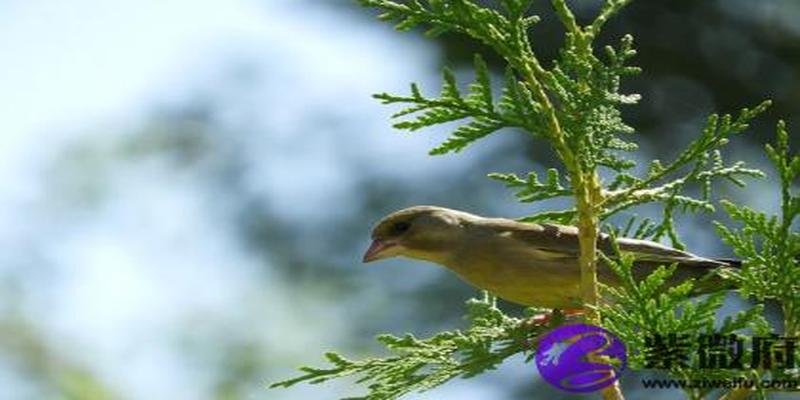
(380, 249)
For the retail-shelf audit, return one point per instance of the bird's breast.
(522, 275)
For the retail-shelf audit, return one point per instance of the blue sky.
(111, 284)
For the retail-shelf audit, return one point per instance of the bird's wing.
(562, 241)
(559, 240)
(645, 250)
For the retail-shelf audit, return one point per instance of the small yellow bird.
(525, 263)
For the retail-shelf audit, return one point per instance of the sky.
(111, 279)
(111, 284)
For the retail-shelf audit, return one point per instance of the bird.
(531, 264)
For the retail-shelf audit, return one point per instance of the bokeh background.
(188, 186)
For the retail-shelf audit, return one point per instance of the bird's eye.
(401, 226)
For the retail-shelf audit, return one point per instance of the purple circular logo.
(563, 358)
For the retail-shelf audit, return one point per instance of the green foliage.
(636, 311)
(451, 105)
(769, 249)
(531, 189)
(499, 29)
(586, 88)
(422, 364)
(699, 164)
(768, 245)
(573, 103)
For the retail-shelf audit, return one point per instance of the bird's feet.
(549, 320)
(556, 316)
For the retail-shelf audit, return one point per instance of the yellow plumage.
(529, 264)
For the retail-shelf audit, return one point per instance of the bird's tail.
(732, 262)
(717, 279)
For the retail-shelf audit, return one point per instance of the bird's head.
(421, 232)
